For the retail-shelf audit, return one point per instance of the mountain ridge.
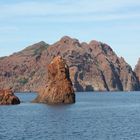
(94, 66)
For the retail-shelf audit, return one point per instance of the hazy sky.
(115, 22)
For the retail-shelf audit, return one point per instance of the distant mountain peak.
(68, 40)
(36, 45)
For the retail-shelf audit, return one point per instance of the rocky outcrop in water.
(93, 66)
(59, 87)
(7, 97)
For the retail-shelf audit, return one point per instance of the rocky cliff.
(59, 88)
(137, 69)
(93, 66)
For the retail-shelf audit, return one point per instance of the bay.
(94, 116)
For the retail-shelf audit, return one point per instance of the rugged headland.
(93, 66)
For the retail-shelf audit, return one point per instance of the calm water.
(95, 116)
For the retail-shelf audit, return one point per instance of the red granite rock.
(137, 69)
(93, 66)
(59, 87)
(7, 97)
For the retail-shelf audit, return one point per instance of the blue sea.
(94, 116)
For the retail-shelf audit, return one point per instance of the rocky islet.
(7, 97)
(58, 89)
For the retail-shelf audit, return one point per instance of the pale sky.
(115, 22)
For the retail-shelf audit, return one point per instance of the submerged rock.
(7, 97)
(59, 88)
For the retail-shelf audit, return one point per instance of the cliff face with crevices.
(137, 69)
(93, 66)
(59, 88)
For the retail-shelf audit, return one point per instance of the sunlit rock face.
(7, 97)
(93, 66)
(58, 89)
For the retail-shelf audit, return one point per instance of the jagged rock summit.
(59, 87)
(93, 66)
(7, 97)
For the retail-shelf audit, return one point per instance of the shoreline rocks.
(7, 97)
(59, 89)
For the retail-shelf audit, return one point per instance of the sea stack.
(7, 97)
(59, 89)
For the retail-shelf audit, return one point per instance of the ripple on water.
(93, 117)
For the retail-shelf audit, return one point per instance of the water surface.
(94, 116)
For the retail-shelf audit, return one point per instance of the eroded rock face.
(7, 97)
(25, 70)
(93, 66)
(137, 69)
(128, 77)
(59, 88)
